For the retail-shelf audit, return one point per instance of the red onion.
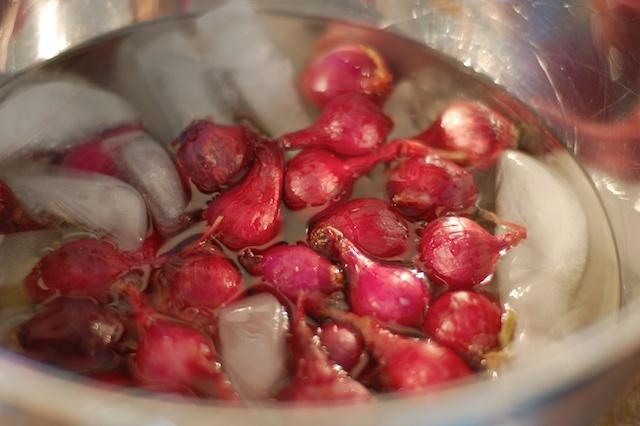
(353, 68)
(76, 333)
(466, 322)
(198, 277)
(214, 156)
(472, 128)
(406, 364)
(388, 292)
(250, 211)
(349, 125)
(370, 224)
(316, 378)
(317, 177)
(414, 365)
(86, 267)
(173, 356)
(427, 187)
(293, 269)
(344, 344)
(459, 253)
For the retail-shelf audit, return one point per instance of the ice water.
(169, 74)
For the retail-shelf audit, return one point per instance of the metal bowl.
(575, 64)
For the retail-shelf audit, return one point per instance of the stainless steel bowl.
(575, 63)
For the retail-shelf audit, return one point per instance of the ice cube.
(224, 67)
(148, 167)
(253, 337)
(235, 43)
(19, 253)
(539, 278)
(56, 113)
(97, 203)
(163, 74)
